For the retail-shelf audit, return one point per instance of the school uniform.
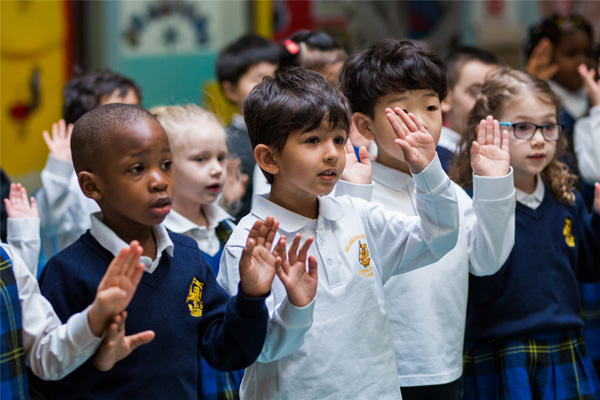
(213, 384)
(447, 147)
(523, 323)
(340, 345)
(33, 334)
(427, 306)
(178, 298)
(63, 208)
(24, 239)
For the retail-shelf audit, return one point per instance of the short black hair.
(95, 130)
(85, 92)
(391, 66)
(461, 55)
(330, 50)
(296, 99)
(554, 28)
(237, 58)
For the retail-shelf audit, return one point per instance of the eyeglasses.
(526, 130)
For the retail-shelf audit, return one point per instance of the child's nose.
(331, 151)
(538, 137)
(158, 181)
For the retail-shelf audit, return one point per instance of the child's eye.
(136, 169)
(432, 108)
(200, 159)
(221, 158)
(167, 165)
(312, 140)
(339, 140)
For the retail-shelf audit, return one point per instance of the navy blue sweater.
(536, 290)
(229, 334)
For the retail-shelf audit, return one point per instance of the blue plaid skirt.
(590, 313)
(528, 369)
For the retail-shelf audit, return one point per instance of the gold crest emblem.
(194, 298)
(569, 238)
(363, 254)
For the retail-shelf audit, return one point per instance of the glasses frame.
(540, 127)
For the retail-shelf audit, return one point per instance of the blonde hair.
(180, 121)
(501, 87)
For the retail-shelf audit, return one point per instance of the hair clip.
(291, 46)
(504, 124)
(568, 23)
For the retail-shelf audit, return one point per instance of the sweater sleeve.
(588, 268)
(232, 332)
(587, 145)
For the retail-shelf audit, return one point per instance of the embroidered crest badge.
(194, 298)
(567, 232)
(363, 254)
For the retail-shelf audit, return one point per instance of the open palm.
(416, 143)
(489, 154)
(300, 285)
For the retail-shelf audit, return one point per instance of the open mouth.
(214, 187)
(328, 175)
(161, 206)
(537, 157)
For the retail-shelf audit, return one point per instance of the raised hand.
(300, 285)
(258, 262)
(355, 171)
(540, 61)
(235, 184)
(59, 143)
(489, 154)
(117, 287)
(116, 346)
(18, 205)
(592, 88)
(416, 143)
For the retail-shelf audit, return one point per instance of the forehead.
(408, 96)
(115, 97)
(574, 40)
(205, 134)
(529, 108)
(473, 72)
(260, 70)
(143, 135)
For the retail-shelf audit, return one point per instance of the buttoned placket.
(326, 250)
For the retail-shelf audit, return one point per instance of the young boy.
(298, 124)
(466, 70)
(199, 151)
(239, 67)
(64, 209)
(123, 161)
(427, 307)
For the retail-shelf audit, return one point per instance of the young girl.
(199, 151)
(523, 337)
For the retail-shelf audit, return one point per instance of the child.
(427, 307)
(298, 124)
(64, 209)
(523, 333)
(240, 66)
(197, 142)
(571, 44)
(32, 334)
(466, 70)
(122, 158)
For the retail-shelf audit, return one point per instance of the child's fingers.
(312, 267)
(399, 129)
(69, 132)
(481, 132)
(497, 135)
(62, 129)
(363, 153)
(139, 339)
(280, 248)
(34, 207)
(293, 252)
(489, 130)
(348, 147)
(505, 140)
(418, 123)
(47, 139)
(246, 258)
(304, 249)
(410, 124)
(270, 236)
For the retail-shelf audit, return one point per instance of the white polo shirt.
(348, 351)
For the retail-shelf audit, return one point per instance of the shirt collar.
(111, 242)
(176, 222)
(289, 221)
(449, 139)
(534, 199)
(575, 102)
(391, 177)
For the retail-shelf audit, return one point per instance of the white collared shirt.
(348, 351)
(206, 237)
(111, 242)
(427, 306)
(534, 199)
(586, 140)
(52, 349)
(576, 103)
(449, 140)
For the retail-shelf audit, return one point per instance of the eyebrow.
(524, 118)
(395, 99)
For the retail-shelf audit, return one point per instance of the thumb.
(312, 267)
(364, 155)
(135, 341)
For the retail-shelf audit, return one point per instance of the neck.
(142, 233)
(307, 206)
(525, 183)
(191, 210)
(393, 163)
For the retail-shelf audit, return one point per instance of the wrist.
(96, 320)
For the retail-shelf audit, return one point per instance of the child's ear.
(364, 125)
(230, 91)
(446, 105)
(265, 158)
(89, 186)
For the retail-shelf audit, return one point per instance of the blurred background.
(169, 47)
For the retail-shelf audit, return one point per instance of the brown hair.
(501, 86)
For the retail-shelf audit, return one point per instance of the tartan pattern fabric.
(12, 358)
(590, 313)
(529, 369)
(213, 384)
